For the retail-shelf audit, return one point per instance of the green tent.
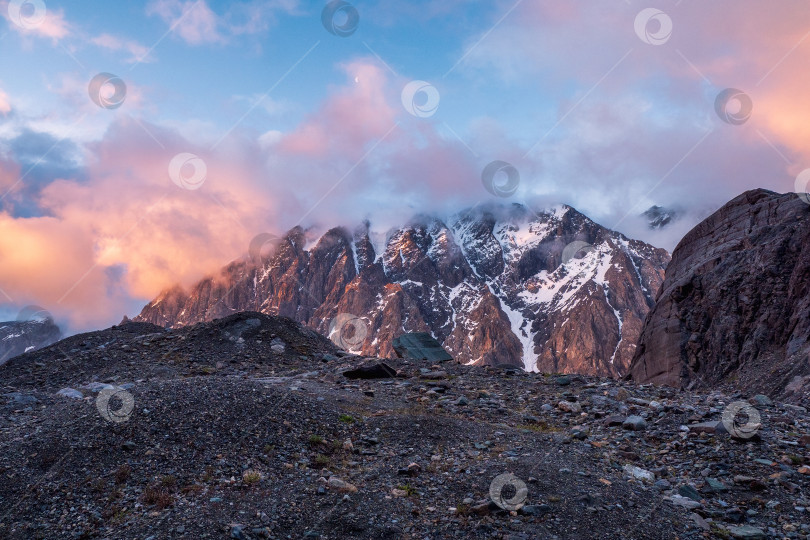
(420, 346)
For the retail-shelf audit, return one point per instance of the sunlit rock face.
(546, 290)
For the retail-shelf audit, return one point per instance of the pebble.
(570, 407)
(635, 423)
(685, 502)
(747, 532)
(341, 485)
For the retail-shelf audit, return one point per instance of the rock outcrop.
(18, 337)
(735, 303)
(548, 291)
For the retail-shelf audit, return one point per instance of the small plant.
(268, 448)
(346, 419)
(119, 515)
(315, 440)
(114, 513)
(122, 473)
(408, 489)
(322, 461)
(462, 509)
(115, 495)
(157, 496)
(539, 427)
(251, 476)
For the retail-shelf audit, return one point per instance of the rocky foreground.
(254, 427)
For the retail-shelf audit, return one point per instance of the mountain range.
(22, 336)
(548, 290)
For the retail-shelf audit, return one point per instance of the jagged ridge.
(494, 284)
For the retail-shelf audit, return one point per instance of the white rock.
(568, 406)
(98, 387)
(71, 393)
(639, 474)
(341, 485)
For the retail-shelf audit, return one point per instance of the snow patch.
(526, 338)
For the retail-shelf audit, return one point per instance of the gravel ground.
(247, 427)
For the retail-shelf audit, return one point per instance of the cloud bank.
(100, 227)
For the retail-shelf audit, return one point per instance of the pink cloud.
(649, 106)
(138, 52)
(128, 231)
(48, 23)
(349, 119)
(196, 23)
(193, 21)
(5, 104)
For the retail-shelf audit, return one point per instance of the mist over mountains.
(497, 284)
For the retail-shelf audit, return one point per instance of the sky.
(144, 144)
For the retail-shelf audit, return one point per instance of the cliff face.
(18, 337)
(550, 291)
(735, 304)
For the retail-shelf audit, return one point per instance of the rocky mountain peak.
(544, 290)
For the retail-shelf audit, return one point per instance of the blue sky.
(609, 107)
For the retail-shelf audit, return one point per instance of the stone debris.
(230, 439)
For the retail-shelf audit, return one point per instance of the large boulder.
(734, 307)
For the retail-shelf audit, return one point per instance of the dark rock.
(704, 427)
(635, 423)
(715, 486)
(379, 370)
(690, 492)
(715, 320)
(19, 399)
(565, 380)
(534, 509)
